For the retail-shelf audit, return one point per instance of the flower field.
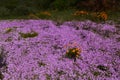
(36, 50)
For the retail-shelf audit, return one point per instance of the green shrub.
(4, 11)
(44, 15)
(43, 4)
(23, 10)
(62, 4)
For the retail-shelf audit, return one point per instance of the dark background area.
(25, 7)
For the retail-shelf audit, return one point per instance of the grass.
(115, 16)
(65, 15)
(62, 16)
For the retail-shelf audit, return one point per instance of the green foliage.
(58, 4)
(29, 35)
(43, 15)
(62, 4)
(9, 4)
(23, 10)
(43, 4)
(32, 16)
(61, 16)
(4, 11)
(61, 9)
(25, 7)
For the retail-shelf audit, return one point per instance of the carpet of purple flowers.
(34, 50)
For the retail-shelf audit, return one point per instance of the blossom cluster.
(35, 50)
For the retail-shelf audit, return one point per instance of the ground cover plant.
(59, 40)
(73, 50)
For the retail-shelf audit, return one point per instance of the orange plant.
(99, 15)
(103, 15)
(73, 51)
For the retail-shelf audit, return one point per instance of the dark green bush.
(62, 4)
(58, 4)
(43, 4)
(16, 8)
(23, 10)
(4, 11)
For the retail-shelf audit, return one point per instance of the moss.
(29, 35)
